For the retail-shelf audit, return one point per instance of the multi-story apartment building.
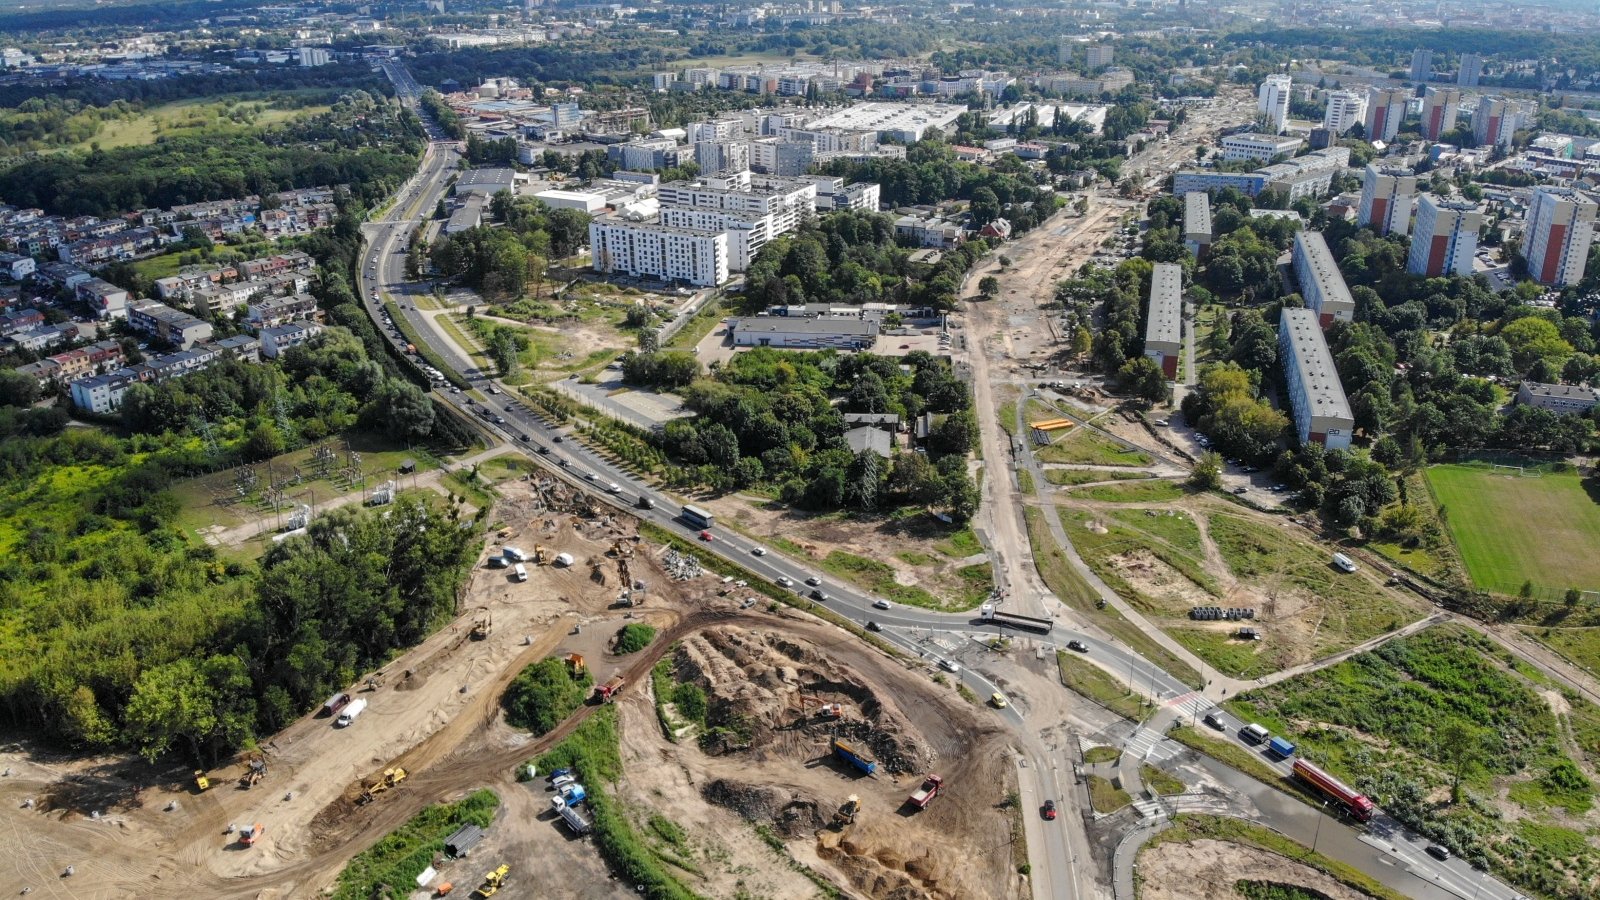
(1556, 238)
(158, 320)
(1272, 101)
(1471, 70)
(659, 251)
(1346, 109)
(1386, 108)
(1316, 396)
(1097, 56)
(1421, 65)
(1257, 147)
(1197, 229)
(1445, 238)
(1439, 107)
(1496, 120)
(1163, 333)
(1321, 285)
(1386, 199)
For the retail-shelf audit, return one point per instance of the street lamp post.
(1322, 813)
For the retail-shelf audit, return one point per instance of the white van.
(351, 712)
(1343, 563)
(515, 554)
(1255, 734)
(563, 559)
(521, 572)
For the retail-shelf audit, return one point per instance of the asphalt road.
(930, 635)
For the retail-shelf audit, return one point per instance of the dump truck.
(493, 882)
(1027, 623)
(1356, 804)
(201, 782)
(391, 779)
(849, 754)
(608, 691)
(249, 834)
(922, 796)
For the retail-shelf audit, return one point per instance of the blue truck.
(1280, 748)
(850, 755)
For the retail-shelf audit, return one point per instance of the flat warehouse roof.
(1166, 304)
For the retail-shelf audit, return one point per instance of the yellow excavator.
(493, 882)
(391, 779)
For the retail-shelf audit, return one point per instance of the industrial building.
(837, 332)
(1321, 285)
(1316, 396)
(1163, 332)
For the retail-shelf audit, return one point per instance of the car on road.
(820, 596)
(1162, 422)
(558, 439)
(783, 581)
(613, 488)
(998, 699)
(499, 420)
(949, 665)
(881, 604)
(1439, 852)
(707, 536)
(1049, 811)
(758, 551)
(494, 390)
(873, 626)
(1241, 489)
(523, 437)
(589, 476)
(813, 581)
(1078, 646)
(1215, 721)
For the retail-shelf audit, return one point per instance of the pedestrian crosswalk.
(1147, 744)
(1149, 809)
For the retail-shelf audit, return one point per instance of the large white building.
(1471, 70)
(1386, 109)
(1321, 285)
(906, 122)
(1439, 107)
(805, 333)
(1163, 333)
(1421, 65)
(1445, 238)
(659, 251)
(1272, 101)
(1345, 110)
(1386, 199)
(1321, 410)
(1556, 238)
(1257, 147)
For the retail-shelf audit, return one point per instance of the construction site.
(559, 575)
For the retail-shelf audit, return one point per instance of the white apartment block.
(1445, 238)
(648, 250)
(1556, 238)
(1097, 56)
(1345, 110)
(1386, 199)
(1163, 333)
(1496, 121)
(1321, 410)
(1257, 147)
(785, 200)
(1272, 101)
(747, 234)
(1386, 108)
(1320, 282)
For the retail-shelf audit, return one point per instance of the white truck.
(564, 559)
(352, 712)
(521, 571)
(515, 554)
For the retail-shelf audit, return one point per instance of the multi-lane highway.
(940, 638)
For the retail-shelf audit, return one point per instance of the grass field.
(1069, 477)
(202, 116)
(1511, 530)
(1088, 447)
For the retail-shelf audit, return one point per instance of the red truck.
(1359, 807)
(609, 690)
(931, 786)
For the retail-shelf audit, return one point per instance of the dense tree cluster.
(771, 417)
(930, 173)
(1227, 405)
(360, 143)
(502, 262)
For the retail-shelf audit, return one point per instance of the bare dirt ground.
(915, 548)
(133, 830)
(786, 778)
(1208, 870)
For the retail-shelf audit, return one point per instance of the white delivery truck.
(515, 554)
(352, 712)
(521, 572)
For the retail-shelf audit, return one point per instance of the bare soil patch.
(1208, 870)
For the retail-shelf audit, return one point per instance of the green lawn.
(1511, 530)
(1147, 491)
(203, 116)
(1086, 446)
(1069, 477)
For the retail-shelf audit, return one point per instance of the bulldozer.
(846, 813)
(201, 782)
(254, 772)
(391, 779)
(493, 882)
(482, 625)
(540, 555)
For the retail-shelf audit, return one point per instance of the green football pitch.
(1513, 529)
